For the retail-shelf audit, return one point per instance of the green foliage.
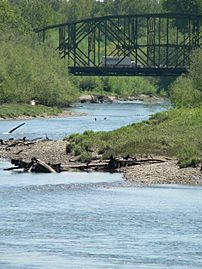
(124, 86)
(184, 94)
(196, 69)
(187, 91)
(17, 110)
(73, 10)
(31, 71)
(129, 6)
(35, 13)
(131, 86)
(88, 83)
(174, 133)
(10, 19)
(85, 157)
(183, 6)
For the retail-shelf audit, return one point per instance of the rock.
(96, 99)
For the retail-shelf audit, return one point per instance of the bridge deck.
(126, 71)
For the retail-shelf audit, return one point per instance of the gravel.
(163, 173)
(54, 152)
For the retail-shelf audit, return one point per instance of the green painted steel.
(140, 44)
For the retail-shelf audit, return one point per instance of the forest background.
(29, 70)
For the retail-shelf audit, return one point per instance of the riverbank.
(26, 111)
(175, 133)
(99, 98)
(165, 172)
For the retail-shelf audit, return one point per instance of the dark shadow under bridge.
(127, 45)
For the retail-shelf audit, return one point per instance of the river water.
(95, 220)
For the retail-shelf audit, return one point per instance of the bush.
(85, 157)
(88, 83)
(187, 91)
(125, 86)
(184, 94)
(32, 71)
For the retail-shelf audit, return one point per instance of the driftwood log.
(112, 165)
(35, 166)
(11, 131)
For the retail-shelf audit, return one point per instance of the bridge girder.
(157, 44)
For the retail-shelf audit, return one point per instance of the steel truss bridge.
(157, 44)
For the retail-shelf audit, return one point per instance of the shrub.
(184, 94)
(32, 71)
(187, 91)
(85, 157)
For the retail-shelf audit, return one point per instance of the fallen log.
(20, 143)
(16, 143)
(35, 166)
(11, 131)
(36, 139)
(112, 165)
(38, 166)
(83, 167)
(12, 168)
(20, 163)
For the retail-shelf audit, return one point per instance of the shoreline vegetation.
(26, 111)
(175, 133)
(23, 111)
(162, 170)
(103, 98)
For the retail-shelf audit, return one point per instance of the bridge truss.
(157, 44)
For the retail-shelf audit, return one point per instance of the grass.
(20, 110)
(175, 133)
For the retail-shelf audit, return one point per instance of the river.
(95, 220)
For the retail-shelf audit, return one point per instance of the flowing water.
(117, 115)
(95, 220)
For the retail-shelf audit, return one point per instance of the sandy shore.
(167, 172)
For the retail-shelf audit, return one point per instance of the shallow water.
(118, 114)
(95, 220)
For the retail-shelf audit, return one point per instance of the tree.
(187, 91)
(36, 13)
(196, 69)
(183, 6)
(122, 7)
(74, 10)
